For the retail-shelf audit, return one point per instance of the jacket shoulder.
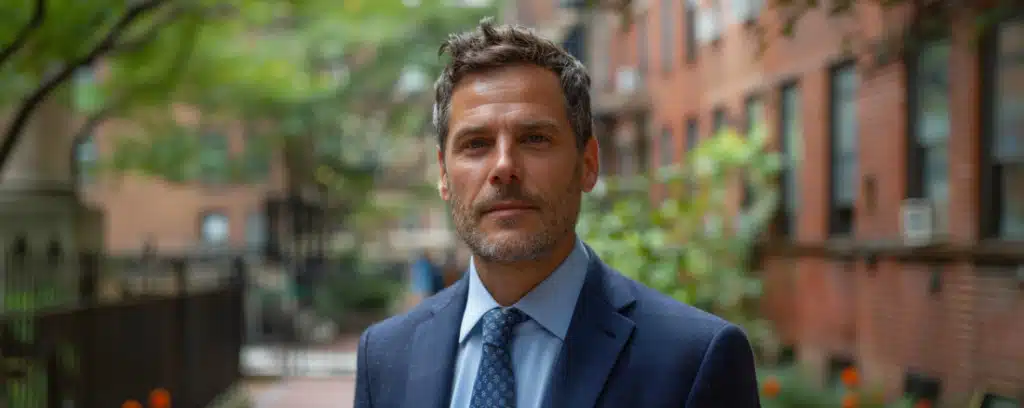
(654, 311)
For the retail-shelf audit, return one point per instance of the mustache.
(511, 192)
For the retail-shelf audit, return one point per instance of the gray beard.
(519, 249)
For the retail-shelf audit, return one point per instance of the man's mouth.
(509, 208)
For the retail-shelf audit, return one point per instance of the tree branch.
(29, 105)
(21, 38)
(94, 120)
(151, 32)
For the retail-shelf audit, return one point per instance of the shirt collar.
(551, 304)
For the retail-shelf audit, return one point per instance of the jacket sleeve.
(727, 376)
(363, 396)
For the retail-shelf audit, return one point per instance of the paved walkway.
(336, 392)
(329, 360)
(273, 362)
(318, 377)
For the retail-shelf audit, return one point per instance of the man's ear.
(442, 182)
(591, 164)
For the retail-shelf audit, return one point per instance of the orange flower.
(131, 404)
(849, 377)
(771, 387)
(850, 400)
(923, 404)
(159, 398)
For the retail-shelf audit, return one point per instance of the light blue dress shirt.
(536, 343)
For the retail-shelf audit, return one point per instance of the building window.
(256, 230)
(86, 160)
(214, 158)
(642, 143)
(753, 115)
(666, 147)
(690, 8)
(214, 228)
(719, 120)
(753, 120)
(928, 135)
(692, 140)
(667, 35)
(1003, 140)
(257, 157)
(843, 140)
(692, 134)
(641, 44)
(790, 138)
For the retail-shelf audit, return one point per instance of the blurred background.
(204, 202)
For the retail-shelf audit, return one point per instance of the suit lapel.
(596, 336)
(433, 351)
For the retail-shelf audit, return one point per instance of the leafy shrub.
(341, 292)
(693, 246)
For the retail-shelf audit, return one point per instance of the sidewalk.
(317, 361)
(336, 392)
(265, 361)
(315, 377)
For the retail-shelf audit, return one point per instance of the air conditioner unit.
(923, 222)
(626, 80)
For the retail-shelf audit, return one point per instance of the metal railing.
(178, 336)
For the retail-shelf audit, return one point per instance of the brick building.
(217, 214)
(942, 126)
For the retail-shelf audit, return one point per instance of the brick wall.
(965, 327)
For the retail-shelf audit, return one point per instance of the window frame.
(991, 190)
(206, 134)
(916, 150)
(692, 43)
(752, 99)
(643, 44)
(667, 32)
(666, 147)
(841, 216)
(258, 159)
(786, 217)
(692, 141)
(719, 119)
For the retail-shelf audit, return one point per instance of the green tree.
(312, 79)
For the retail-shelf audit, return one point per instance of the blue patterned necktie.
(495, 385)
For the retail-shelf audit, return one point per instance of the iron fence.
(182, 339)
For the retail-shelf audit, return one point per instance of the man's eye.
(536, 138)
(476, 144)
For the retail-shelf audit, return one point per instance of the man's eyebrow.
(537, 124)
(468, 130)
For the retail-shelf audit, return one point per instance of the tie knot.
(498, 325)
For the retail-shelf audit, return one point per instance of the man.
(538, 320)
(425, 279)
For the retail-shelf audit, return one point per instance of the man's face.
(510, 168)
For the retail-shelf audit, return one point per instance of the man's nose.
(506, 162)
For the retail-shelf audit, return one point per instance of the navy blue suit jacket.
(628, 346)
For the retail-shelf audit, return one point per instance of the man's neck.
(509, 282)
